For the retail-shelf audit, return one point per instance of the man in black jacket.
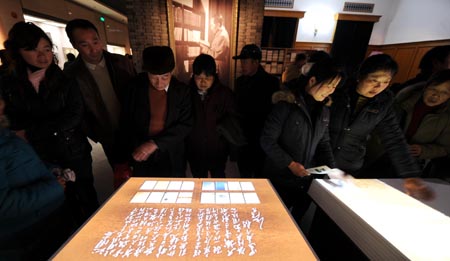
(254, 89)
(362, 108)
(102, 78)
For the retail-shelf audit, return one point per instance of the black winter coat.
(254, 102)
(349, 134)
(135, 121)
(51, 118)
(291, 134)
(204, 144)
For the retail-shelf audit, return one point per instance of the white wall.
(401, 20)
(419, 20)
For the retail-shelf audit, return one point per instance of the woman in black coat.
(295, 135)
(211, 102)
(45, 108)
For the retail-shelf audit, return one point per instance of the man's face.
(249, 66)
(159, 81)
(88, 44)
(213, 25)
(374, 83)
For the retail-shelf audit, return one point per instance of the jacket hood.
(284, 95)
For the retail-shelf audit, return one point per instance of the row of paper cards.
(206, 185)
(241, 192)
(205, 198)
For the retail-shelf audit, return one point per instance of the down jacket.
(28, 191)
(290, 134)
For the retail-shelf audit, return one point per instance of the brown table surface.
(167, 231)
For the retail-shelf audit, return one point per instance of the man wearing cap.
(254, 89)
(157, 117)
(102, 78)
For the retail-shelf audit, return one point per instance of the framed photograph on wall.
(203, 26)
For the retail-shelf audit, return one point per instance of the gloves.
(122, 172)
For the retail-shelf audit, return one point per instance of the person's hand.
(21, 134)
(416, 188)
(415, 150)
(122, 172)
(297, 169)
(144, 151)
(61, 181)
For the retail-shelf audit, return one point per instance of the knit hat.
(158, 60)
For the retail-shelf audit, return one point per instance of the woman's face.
(436, 95)
(374, 83)
(203, 82)
(322, 90)
(40, 57)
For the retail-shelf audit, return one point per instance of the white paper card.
(184, 200)
(222, 198)
(155, 197)
(247, 185)
(208, 185)
(234, 185)
(207, 198)
(237, 198)
(221, 185)
(161, 185)
(175, 185)
(251, 198)
(148, 185)
(188, 185)
(170, 197)
(140, 197)
(321, 170)
(185, 195)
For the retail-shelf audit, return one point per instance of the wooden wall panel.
(414, 69)
(313, 46)
(403, 56)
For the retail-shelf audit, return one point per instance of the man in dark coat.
(254, 89)
(102, 78)
(157, 117)
(362, 108)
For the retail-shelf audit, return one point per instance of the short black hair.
(325, 70)
(300, 57)
(378, 62)
(70, 56)
(204, 63)
(78, 24)
(318, 56)
(438, 53)
(439, 78)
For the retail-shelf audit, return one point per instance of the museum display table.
(186, 218)
(384, 222)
